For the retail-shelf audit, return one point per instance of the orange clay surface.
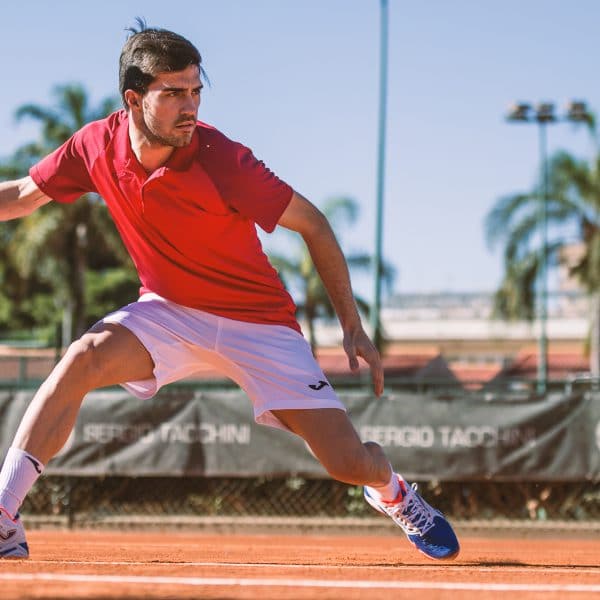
(108, 564)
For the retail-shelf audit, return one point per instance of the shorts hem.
(266, 416)
(138, 391)
(143, 389)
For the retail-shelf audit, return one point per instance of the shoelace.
(413, 514)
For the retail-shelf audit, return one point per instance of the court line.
(307, 583)
(283, 566)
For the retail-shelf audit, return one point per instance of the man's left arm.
(305, 218)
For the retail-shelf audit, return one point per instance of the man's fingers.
(376, 372)
(373, 359)
(377, 377)
(360, 345)
(350, 350)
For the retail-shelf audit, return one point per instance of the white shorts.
(273, 364)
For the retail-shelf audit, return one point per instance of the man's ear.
(133, 99)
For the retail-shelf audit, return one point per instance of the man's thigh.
(117, 354)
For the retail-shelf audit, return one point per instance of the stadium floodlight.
(543, 114)
(519, 112)
(577, 112)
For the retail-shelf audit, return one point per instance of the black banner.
(186, 432)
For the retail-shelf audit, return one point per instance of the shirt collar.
(125, 159)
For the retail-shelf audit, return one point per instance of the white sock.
(19, 472)
(390, 490)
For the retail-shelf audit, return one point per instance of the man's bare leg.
(107, 355)
(334, 441)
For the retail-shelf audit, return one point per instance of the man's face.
(170, 107)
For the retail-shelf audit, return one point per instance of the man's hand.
(357, 343)
(303, 217)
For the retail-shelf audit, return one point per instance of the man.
(185, 200)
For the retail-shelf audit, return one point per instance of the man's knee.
(374, 450)
(83, 359)
(107, 355)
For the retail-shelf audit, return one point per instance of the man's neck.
(150, 155)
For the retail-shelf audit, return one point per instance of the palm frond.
(44, 247)
(73, 101)
(505, 212)
(341, 211)
(516, 296)
(283, 263)
(571, 177)
(587, 270)
(37, 113)
(106, 106)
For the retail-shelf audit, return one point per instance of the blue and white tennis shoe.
(425, 527)
(12, 537)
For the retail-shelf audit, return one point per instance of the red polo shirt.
(190, 225)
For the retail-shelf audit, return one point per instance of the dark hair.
(150, 51)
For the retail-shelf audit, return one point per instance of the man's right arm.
(19, 198)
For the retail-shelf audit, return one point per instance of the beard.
(155, 133)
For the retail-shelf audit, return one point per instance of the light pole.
(543, 114)
(377, 256)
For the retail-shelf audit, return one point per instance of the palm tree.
(298, 270)
(573, 210)
(52, 245)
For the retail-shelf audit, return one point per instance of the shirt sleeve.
(260, 194)
(63, 175)
(246, 184)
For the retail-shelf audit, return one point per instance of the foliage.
(297, 269)
(68, 258)
(48, 254)
(573, 213)
(109, 289)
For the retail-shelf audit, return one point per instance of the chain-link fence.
(92, 500)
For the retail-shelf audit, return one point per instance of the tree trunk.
(79, 282)
(310, 323)
(67, 323)
(595, 335)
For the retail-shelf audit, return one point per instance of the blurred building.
(443, 338)
(459, 330)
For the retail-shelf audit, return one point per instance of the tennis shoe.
(12, 537)
(425, 527)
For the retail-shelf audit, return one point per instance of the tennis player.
(186, 201)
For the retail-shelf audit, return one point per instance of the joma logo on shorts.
(318, 386)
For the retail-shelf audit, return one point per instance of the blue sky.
(298, 83)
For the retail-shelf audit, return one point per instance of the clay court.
(93, 564)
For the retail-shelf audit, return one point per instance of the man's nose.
(190, 104)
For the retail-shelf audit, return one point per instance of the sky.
(298, 82)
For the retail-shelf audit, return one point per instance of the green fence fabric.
(188, 432)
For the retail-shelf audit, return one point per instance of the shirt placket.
(150, 183)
